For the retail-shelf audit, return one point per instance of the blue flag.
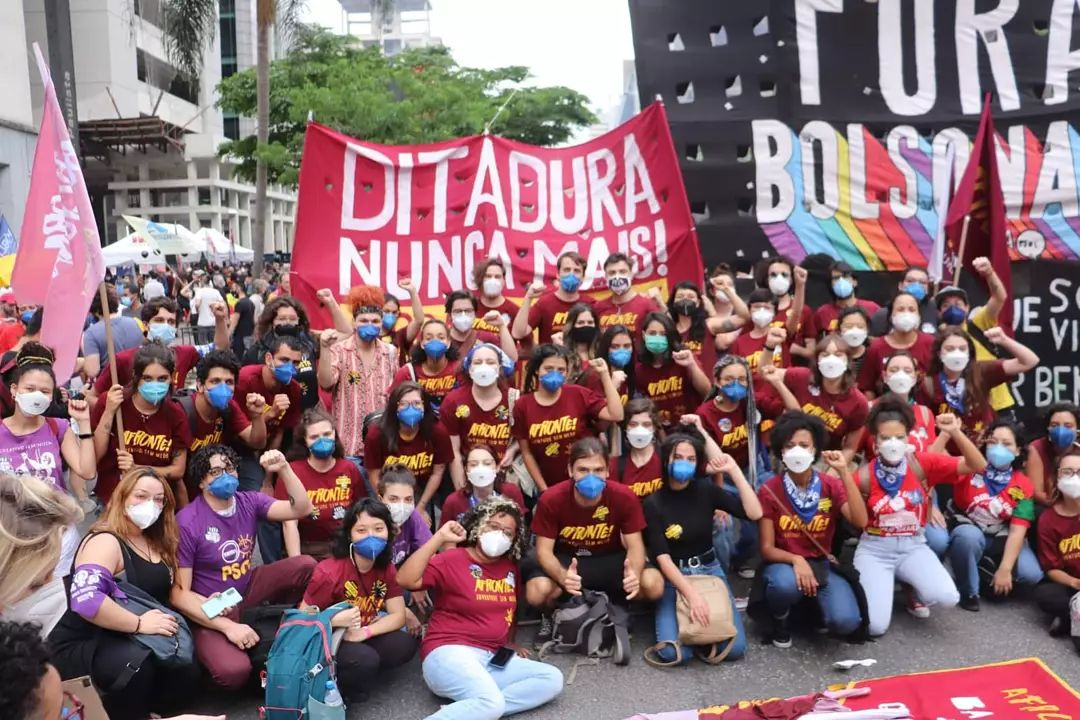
(8, 242)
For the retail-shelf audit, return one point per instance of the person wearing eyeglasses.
(217, 539)
(1059, 548)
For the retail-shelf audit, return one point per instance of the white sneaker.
(917, 609)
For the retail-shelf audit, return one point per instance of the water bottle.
(333, 697)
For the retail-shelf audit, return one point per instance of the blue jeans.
(667, 621)
(735, 541)
(358, 461)
(967, 543)
(839, 608)
(481, 692)
(938, 539)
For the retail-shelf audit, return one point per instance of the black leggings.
(359, 663)
(1053, 599)
(152, 688)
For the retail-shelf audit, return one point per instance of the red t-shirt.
(630, 313)
(841, 413)
(459, 502)
(420, 455)
(1014, 505)
(213, 432)
(904, 514)
(806, 324)
(973, 419)
(10, 332)
(337, 580)
(643, 481)
(152, 440)
(728, 429)
(922, 436)
(187, 357)
(474, 602)
(547, 314)
(550, 431)
(879, 349)
(437, 385)
(251, 381)
(704, 350)
(598, 529)
(669, 387)
(1059, 542)
(331, 494)
(751, 348)
(462, 416)
(788, 527)
(508, 309)
(826, 317)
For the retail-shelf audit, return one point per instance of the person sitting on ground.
(1059, 553)
(397, 490)
(360, 572)
(475, 596)
(1060, 423)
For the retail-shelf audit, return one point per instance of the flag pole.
(107, 312)
(960, 254)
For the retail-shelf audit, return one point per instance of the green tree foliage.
(417, 96)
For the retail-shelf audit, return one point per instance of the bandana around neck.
(954, 393)
(890, 478)
(805, 502)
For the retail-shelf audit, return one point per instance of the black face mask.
(583, 334)
(287, 330)
(685, 307)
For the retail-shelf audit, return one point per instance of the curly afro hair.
(365, 297)
(476, 518)
(198, 465)
(24, 660)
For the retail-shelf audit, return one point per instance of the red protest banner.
(372, 214)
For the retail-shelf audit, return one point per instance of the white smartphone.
(219, 604)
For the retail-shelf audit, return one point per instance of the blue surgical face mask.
(843, 288)
(552, 380)
(154, 391)
(591, 486)
(410, 416)
(219, 396)
(1062, 437)
(162, 331)
(367, 333)
(285, 372)
(916, 290)
(953, 315)
(223, 487)
(569, 282)
(370, 547)
(389, 320)
(1000, 456)
(681, 471)
(734, 391)
(435, 349)
(323, 447)
(125, 301)
(620, 357)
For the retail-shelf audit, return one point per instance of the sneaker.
(543, 635)
(1058, 628)
(746, 572)
(916, 608)
(741, 603)
(781, 635)
(970, 602)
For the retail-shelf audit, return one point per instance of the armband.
(90, 585)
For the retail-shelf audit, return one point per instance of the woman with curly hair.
(475, 598)
(360, 573)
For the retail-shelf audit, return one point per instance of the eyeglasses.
(1066, 473)
(72, 708)
(418, 405)
(216, 471)
(505, 531)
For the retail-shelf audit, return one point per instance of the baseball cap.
(950, 291)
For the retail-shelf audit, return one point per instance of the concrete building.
(18, 132)
(406, 25)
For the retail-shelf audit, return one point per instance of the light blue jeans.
(481, 692)
(839, 608)
(967, 543)
(938, 539)
(667, 621)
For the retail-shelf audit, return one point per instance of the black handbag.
(264, 620)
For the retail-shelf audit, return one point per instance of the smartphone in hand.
(220, 603)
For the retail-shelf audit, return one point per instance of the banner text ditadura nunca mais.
(372, 214)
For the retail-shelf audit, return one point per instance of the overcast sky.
(577, 43)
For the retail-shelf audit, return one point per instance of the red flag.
(979, 195)
(59, 264)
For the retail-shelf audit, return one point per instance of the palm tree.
(188, 28)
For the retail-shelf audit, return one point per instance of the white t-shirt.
(204, 298)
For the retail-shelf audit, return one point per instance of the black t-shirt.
(681, 521)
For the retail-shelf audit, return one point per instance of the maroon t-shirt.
(187, 357)
(218, 430)
(437, 385)
(1059, 542)
(704, 350)
(152, 440)
(337, 580)
(973, 419)
(420, 454)
(474, 603)
(550, 431)
(805, 327)
(728, 429)
(630, 313)
(460, 502)
(826, 317)
(643, 481)
(874, 360)
(251, 381)
(751, 348)
(841, 413)
(669, 387)
(399, 339)
(331, 494)
(597, 529)
(788, 527)
(547, 314)
(508, 309)
(462, 416)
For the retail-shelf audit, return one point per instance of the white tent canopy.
(132, 249)
(219, 248)
(171, 238)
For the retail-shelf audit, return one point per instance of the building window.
(154, 72)
(232, 127)
(149, 11)
(227, 7)
(204, 196)
(391, 46)
(228, 37)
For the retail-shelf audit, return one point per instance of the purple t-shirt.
(36, 454)
(217, 548)
(411, 536)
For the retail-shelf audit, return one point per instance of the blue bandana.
(805, 502)
(996, 480)
(954, 393)
(890, 478)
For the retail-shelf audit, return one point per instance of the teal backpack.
(301, 661)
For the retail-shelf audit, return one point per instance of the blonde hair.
(33, 517)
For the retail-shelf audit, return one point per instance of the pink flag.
(59, 264)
